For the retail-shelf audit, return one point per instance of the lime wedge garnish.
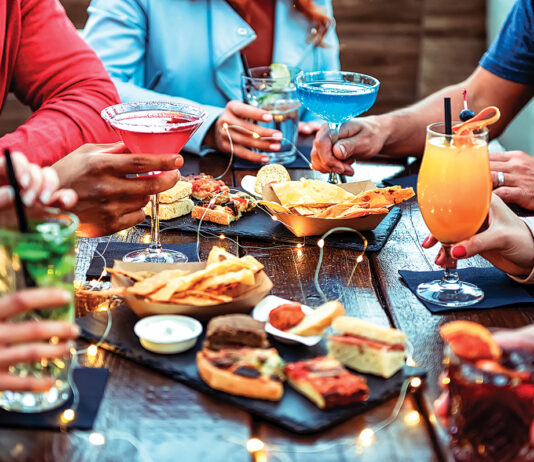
(280, 72)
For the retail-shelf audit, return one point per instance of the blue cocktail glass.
(336, 97)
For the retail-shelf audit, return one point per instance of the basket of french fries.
(313, 207)
(222, 284)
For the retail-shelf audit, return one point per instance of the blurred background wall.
(412, 46)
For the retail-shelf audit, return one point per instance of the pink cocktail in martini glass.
(154, 128)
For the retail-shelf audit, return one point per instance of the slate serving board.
(258, 225)
(293, 413)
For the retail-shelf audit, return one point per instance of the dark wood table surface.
(146, 416)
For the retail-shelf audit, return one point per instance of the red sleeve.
(63, 81)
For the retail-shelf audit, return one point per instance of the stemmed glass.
(337, 97)
(154, 128)
(454, 192)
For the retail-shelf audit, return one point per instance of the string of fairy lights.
(255, 446)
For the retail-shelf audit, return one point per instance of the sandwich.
(223, 208)
(366, 347)
(203, 185)
(316, 322)
(236, 359)
(174, 202)
(326, 382)
(270, 174)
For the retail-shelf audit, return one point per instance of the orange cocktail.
(454, 185)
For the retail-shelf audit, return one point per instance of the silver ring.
(500, 178)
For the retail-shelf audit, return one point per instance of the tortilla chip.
(195, 301)
(244, 276)
(252, 263)
(274, 207)
(218, 255)
(134, 275)
(381, 197)
(308, 191)
(356, 211)
(201, 295)
(307, 211)
(153, 283)
(335, 211)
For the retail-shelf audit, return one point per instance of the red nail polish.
(459, 251)
(425, 241)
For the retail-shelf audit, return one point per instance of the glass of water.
(272, 88)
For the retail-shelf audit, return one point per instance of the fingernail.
(7, 194)
(265, 159)
(68, 197)
(277, 136)
(342, 150)
(274, 147)
(70, 345)
(28, 197)
(458, 251)
(25, 180)
(75, 330)
(178, 161)
(425, 241)
(267, 117)
(45, 196)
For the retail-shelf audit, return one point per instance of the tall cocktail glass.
(155, 128)
(44, 257)
(276, 93)
(336, 97)
(454, 192)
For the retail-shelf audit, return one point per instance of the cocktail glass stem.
(450, 276)
(155, 244)
(334, 135)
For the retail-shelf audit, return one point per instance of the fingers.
(441, 405)
(22, 384)
(509, 193)
(6, 196)
(499, 156)
(246, 111)
(516, 339)
(308, 128)
(31, 331)
(36, 181)
(243, 127)
(124, 164)
(253, 142)
(247, 154)
(429, 242)
(126, 220)
(64, 199)
(31, 299)
(479, 243)
(322, 146)
(32, 352)
(49, 185)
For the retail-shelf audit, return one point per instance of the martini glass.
(154, 128)
(336, 97)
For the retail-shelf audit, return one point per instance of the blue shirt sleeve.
(511, 55)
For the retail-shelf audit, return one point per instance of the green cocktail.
(44, 257)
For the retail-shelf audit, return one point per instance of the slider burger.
(174, 202)
(366, 347)
(236, 359)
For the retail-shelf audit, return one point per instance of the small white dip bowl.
(168, 334)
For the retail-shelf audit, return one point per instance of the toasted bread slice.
(171, 210)
(215, 216)
(318, 321)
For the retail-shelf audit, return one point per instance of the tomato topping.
(286, 316)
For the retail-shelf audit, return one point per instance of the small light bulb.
(360, 258)
(225, 125)
(320, 243)
(274, 218)
(299, 246)
(54, 340)
(67, 416)
(255, 445)
(103, 274)
(222, 236)
(92, 350)
(416, 382)
(366, 437)
(97, 439)
(412, 418)
(76, 251)
(146, 238)
(446, 380)
(299, 253)
(410, 362)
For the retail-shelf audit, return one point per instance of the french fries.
(224, 277)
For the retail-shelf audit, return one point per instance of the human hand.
(518, 170)
(358, 139)
(28, 341)
(308, 128)
(507, 243)
(108, 201)
(39, 186)
(240, 114)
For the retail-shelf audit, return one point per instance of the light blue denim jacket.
(178, 50)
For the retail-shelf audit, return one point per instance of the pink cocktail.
(154, 128)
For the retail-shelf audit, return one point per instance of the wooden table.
(167, 421)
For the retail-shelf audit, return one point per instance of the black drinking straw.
(20, 210)
(448, 119)
(245, 65)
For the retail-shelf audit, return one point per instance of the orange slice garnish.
(486, 117)
(470, 340)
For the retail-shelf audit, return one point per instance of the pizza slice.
(203, 185)
(223, 208)
(326, 382)
(244, 371)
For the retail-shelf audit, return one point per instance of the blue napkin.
(91, 384)
(403, 181)
(117, 250)
(299, 162)
(499, 289)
